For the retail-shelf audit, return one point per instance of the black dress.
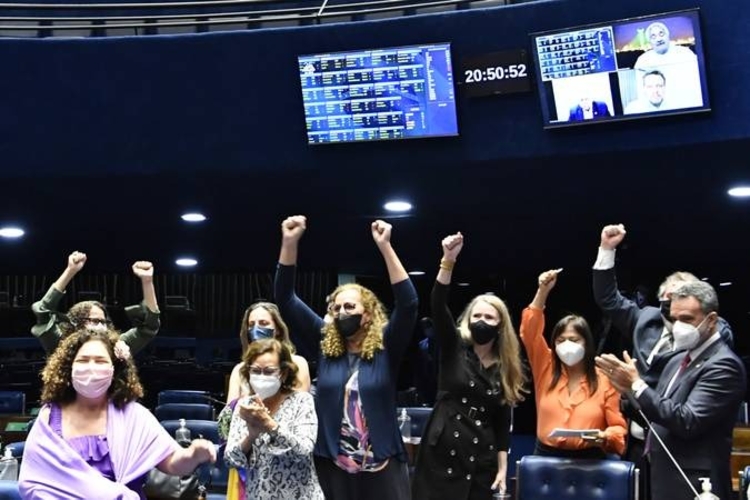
(458, 453)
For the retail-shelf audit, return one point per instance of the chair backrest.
(16, 449)
(9, 490)
(419, 416)
(12, 402)
(209, 429)
(540, 478)
(188, 411)
(180, 396)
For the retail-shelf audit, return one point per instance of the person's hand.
(597, 439)
(256, 414)
(612, 235)
(143, 269)
(452, 246)
(203, 450)
(293, 227)
(548, 279)
(499, 483)
(76, 261)
(622, 374)
(381, 232)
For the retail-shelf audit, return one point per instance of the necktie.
(683, 365)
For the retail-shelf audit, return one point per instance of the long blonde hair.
(506, 350)
(333, 344)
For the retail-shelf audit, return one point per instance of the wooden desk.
(13, 436)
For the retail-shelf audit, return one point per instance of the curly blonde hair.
(333, 344)
(506, 349)
(57, 373)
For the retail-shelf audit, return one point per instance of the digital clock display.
(495, 73)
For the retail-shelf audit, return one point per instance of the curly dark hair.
(287, 366)
(77, 316)
(57, 373)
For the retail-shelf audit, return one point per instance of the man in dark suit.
(646, 331)
(694, 406)
(588, 109)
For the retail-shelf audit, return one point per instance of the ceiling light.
(397, 206)
(725, 283)
(462, 283)
(11, 232)
(193, 217)
(186, 262)
(739, 192)
(416, 273)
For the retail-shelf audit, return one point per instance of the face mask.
(265, 386)
(483, 333)
(686, 336)
(348, 324)
(92, 381)
(96, 327)
(569, 352)
(258, 332)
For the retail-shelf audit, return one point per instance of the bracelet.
(447, 264)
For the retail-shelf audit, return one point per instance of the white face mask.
(265, 386)
(686, 336)
(96, 327)
(570, 352)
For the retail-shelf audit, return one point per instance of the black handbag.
(160, 486)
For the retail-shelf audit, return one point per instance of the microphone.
(634, 402)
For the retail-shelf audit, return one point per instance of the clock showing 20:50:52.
(495, 73)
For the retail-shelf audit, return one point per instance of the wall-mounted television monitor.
(632, 68)
(376, 94)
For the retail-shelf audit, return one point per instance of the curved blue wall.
(232, 101)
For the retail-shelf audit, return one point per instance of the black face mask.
(483, 333)
(258, 332)
(348, 324)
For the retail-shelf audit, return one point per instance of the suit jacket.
(695, 420)
(600, 109)
(643, 326)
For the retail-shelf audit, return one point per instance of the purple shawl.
(52, 469)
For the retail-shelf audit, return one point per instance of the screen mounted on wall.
(379, 94)
(632, 68)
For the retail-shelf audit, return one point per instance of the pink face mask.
(91, 381)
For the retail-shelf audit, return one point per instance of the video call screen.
(632, 68)
(379, 94)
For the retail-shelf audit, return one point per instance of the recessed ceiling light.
(462, 283)
(186, 262)
(739, 192)
(725, 283)
(397, 206)
(11, 232)
(416, 273)
(704, 279)
(193, 217)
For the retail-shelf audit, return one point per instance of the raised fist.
(548, 279)
(612, 235)
(143, 269)
(381, 232)
(76, 261)
(293, 227)
(452, 246)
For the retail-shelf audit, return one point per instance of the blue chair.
(16, 449)
(12, 402)
(188, 411)
(9, 490)
(541, 478)
(745, 483)
(180, 396)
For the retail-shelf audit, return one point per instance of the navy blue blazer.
(695, 420)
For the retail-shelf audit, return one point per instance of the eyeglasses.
(98, 321)
(347, 306)
(264, 370)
